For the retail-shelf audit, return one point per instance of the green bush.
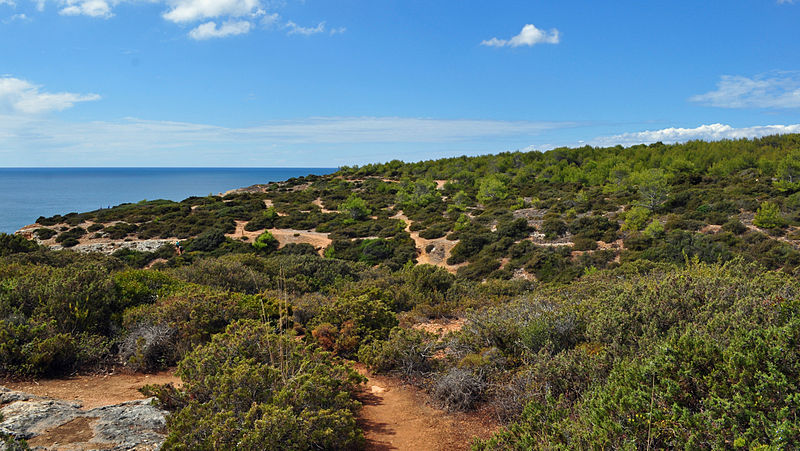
(768, 216)
(250, 387)
(266, 243)
(14, 244)
(406, 352)
(44, 233)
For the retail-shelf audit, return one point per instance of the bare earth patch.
(396, 417)
(439, 253)
(72, 435)
(441, 326)
(95, 390)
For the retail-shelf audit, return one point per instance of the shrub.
(768, 216)
(580, 243)
(636, 218)
(355, 208)
(654, 230)
(407, 352)
(250, 387)
(266, 242)
(553, 228)
(206, 241)
(44, 233)
(149, 347)
(458, 389)
(348, 322)
(14, 244)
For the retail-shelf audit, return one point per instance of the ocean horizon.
(27, 193)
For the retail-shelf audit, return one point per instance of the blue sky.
(328, 83)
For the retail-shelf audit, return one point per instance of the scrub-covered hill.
(599, 298)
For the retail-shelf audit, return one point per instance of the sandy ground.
(95, 390)
(438, 255)
(441, 326)
(318, 203)
(396, 417)
(284, 236)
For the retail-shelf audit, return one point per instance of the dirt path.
(396, 417)
(97, 390)
(439, 253)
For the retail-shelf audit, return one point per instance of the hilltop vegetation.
(641, 297)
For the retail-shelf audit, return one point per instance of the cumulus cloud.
(711, 132)
(20, 96)
(529, 36)
(305, 31)
(772, 90)
(184, 11)
(210, 30)
(91, 8)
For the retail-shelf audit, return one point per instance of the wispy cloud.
(785, 2)
(17, 18)
(210, 30)
(771, 90)
(710, 132)
(21, 96)
(8, 2)
(293, 28)
(529, 36)
(312, 141)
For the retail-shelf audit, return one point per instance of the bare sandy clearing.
(95, 390)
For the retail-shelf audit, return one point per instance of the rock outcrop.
(56, 424)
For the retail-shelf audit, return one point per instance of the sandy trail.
(95, 390)
(396, 417)
(440, 252)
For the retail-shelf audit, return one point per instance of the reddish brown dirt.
(441, 326)
(72, 435)
(96, 390)
(397, 417)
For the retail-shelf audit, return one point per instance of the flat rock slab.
(61, 425)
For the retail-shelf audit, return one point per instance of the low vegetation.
(624, 298)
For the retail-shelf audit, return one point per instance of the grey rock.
(129, 425)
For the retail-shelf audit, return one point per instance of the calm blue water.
(27, 193)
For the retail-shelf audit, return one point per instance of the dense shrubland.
(641, 297)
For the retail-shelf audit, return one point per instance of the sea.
(27, 193)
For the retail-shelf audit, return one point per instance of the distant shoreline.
(27, 193)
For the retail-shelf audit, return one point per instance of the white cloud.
(184, 11)
(785, 2)
(305, 31)
(210, 30)
(270, 20)
(711, 132)
(529, 36)
(17, 18)
(91, 8)
(773, 90)
(20, 96)
(10, 3)
(339, 30)
(311, 142)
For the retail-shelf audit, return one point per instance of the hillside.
(640, 297)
